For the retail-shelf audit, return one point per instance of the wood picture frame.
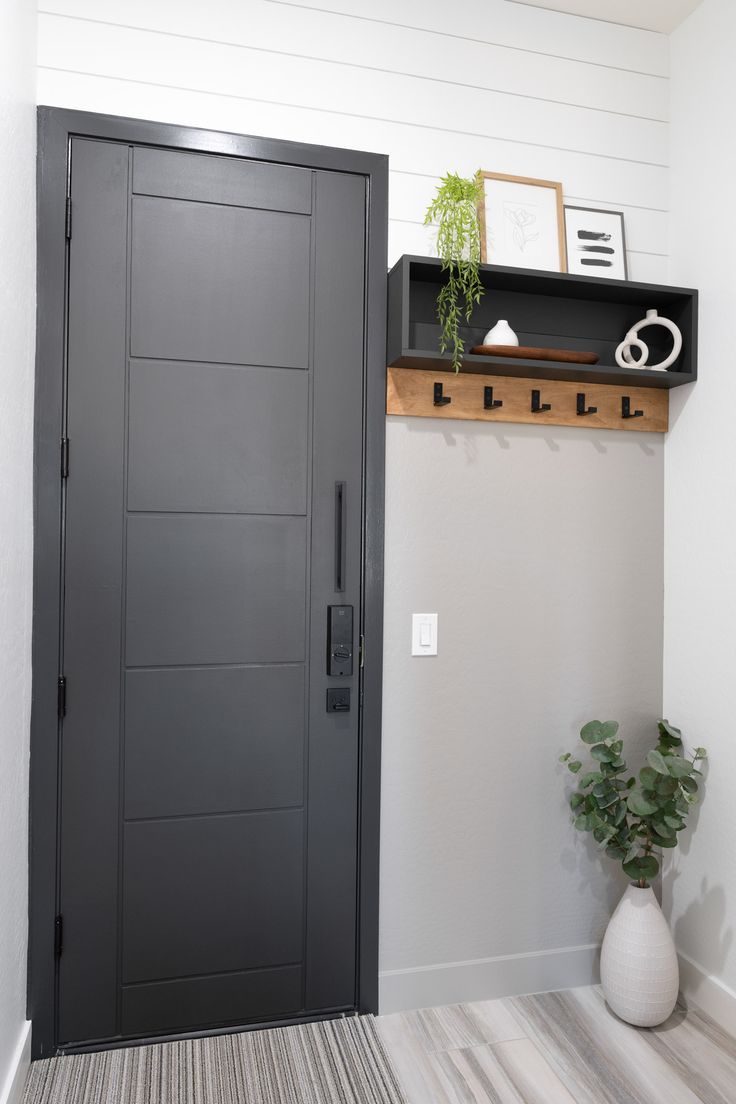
(524, 247)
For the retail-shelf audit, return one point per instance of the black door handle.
(340, 521)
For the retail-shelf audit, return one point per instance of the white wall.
(17, 300)
(700, 510)
(541, 549)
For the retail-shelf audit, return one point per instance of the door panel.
(213, 588)
(95, 523)
(208, 437)
(227, 180)
(207, 895)
(333, 756)
(167, 1006)
(236, 736)
(220, 284)
(209, 803)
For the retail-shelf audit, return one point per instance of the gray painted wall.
(541, 551)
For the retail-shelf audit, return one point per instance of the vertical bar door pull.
(340, 522)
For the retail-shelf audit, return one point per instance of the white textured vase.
(501, 334)
(639, 971)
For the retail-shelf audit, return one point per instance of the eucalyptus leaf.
(620, 814)
(639, 805)
(644, 867)
(590, 733)
(656, 761)
(648, 776)
(668, 730)
(678, 767)
(602, 753)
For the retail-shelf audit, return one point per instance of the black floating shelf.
(546, 309)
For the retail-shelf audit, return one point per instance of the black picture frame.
(571, 251)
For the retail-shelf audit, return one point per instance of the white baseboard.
(15, 1081)
(710, 994)
(488, 978)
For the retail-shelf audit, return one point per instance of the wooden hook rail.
(419, 394)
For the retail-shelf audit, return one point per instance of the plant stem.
(643, 883)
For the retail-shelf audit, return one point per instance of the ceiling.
(652, 15)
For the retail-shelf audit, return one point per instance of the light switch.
(424, 634)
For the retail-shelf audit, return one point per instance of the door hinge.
(362, 650)
(61, 697)
(68, 218)
(64, 457)
(58, 935)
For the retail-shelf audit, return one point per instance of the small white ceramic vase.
(639, 971)
(501, 334)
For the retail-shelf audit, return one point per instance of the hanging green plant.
(455, 210)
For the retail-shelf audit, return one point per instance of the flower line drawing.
(522, 220)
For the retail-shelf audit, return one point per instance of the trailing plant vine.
(455, 210)
(631, 819)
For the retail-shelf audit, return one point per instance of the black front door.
(214, 411)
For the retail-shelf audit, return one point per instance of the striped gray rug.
(333, 1062)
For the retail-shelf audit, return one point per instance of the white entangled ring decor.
(624, 358)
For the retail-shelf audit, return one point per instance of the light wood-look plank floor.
(557, 1048)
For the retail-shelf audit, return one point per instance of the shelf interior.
(548, 310)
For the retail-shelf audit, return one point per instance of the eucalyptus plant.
(632, 818)
(455, 210)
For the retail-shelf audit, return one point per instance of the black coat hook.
(489, 403)
(537, 407)
(626, 411)
(439, 398)
(582, 408)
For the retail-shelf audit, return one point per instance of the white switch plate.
(424, 634)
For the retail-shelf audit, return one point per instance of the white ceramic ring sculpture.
(624, 359)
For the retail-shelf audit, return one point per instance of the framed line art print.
(522, 222)
(596, 245)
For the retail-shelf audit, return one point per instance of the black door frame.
(56, 128)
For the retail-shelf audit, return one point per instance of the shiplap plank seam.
(306, 84)
(386, 69)
(354, 115)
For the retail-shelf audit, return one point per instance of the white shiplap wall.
(478, 83)
(542, 546)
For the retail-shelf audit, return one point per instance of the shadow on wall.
(703, 924)
(505, 434)
(703, 921)
(597, 876)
